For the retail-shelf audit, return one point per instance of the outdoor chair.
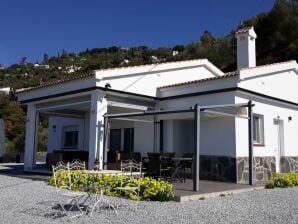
(168, 154)
(187, 165)
(102, 195)
(131, 173)
(157, 166)
(76, 164)
(70, 199)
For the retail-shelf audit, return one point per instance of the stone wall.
(221, 168)
(264, 168)
(229, 169)
(289, 164)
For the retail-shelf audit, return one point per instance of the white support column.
(196, 162)
(30, 142)
(96, 133)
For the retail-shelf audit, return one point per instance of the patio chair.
(76, 164)
(187, 164)
(70, 198)
(103, 195)
(157, 166)
(131, 173)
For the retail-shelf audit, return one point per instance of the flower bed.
(150, 189)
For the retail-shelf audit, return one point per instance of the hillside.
(277, 40)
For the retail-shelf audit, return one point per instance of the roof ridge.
(144, 65)
(275, 63)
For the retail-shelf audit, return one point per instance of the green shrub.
(283, 180)
(269, 185)
(150, 189)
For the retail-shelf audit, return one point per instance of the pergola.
(238, 110)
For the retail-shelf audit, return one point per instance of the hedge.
(283, 180)
(150, 189)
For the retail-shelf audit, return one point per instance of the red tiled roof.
(261, 66)
(243, 30)
(227, 75)
(53, 83)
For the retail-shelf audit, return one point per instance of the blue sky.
(33, 27)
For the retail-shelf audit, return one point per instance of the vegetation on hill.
(277, 40)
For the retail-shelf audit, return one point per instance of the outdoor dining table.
(178, 164)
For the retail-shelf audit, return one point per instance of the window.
(70, 137)
(258, 129)
(122, 139)
(115, 139)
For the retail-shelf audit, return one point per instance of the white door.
(278, 141)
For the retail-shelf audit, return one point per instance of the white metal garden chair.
(131, 173)
(76, 164)
(103, 196)
(71, 198)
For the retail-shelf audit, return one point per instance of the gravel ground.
(28, 201)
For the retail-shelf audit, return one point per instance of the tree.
(64, 53)
(207, 39)
(23, 61)
(45, 58)
(14, 117)
(179, 48)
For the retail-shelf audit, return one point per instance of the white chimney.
(246, 48)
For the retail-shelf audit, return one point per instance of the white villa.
(240, 126)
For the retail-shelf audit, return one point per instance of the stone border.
(196, 197)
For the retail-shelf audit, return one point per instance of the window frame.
(259, 133)
(73, 129)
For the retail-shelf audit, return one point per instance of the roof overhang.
(263, 70)
(238, 110)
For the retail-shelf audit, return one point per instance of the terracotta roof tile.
(261, 66)
(227, 75)
(243, 30)
(53, 83)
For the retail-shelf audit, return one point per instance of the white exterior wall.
(145, 79)
(143, 137)
(203, 100)
(270, 111)
(55, 138)
(217, 134)
(282, 85)
(183, 141)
